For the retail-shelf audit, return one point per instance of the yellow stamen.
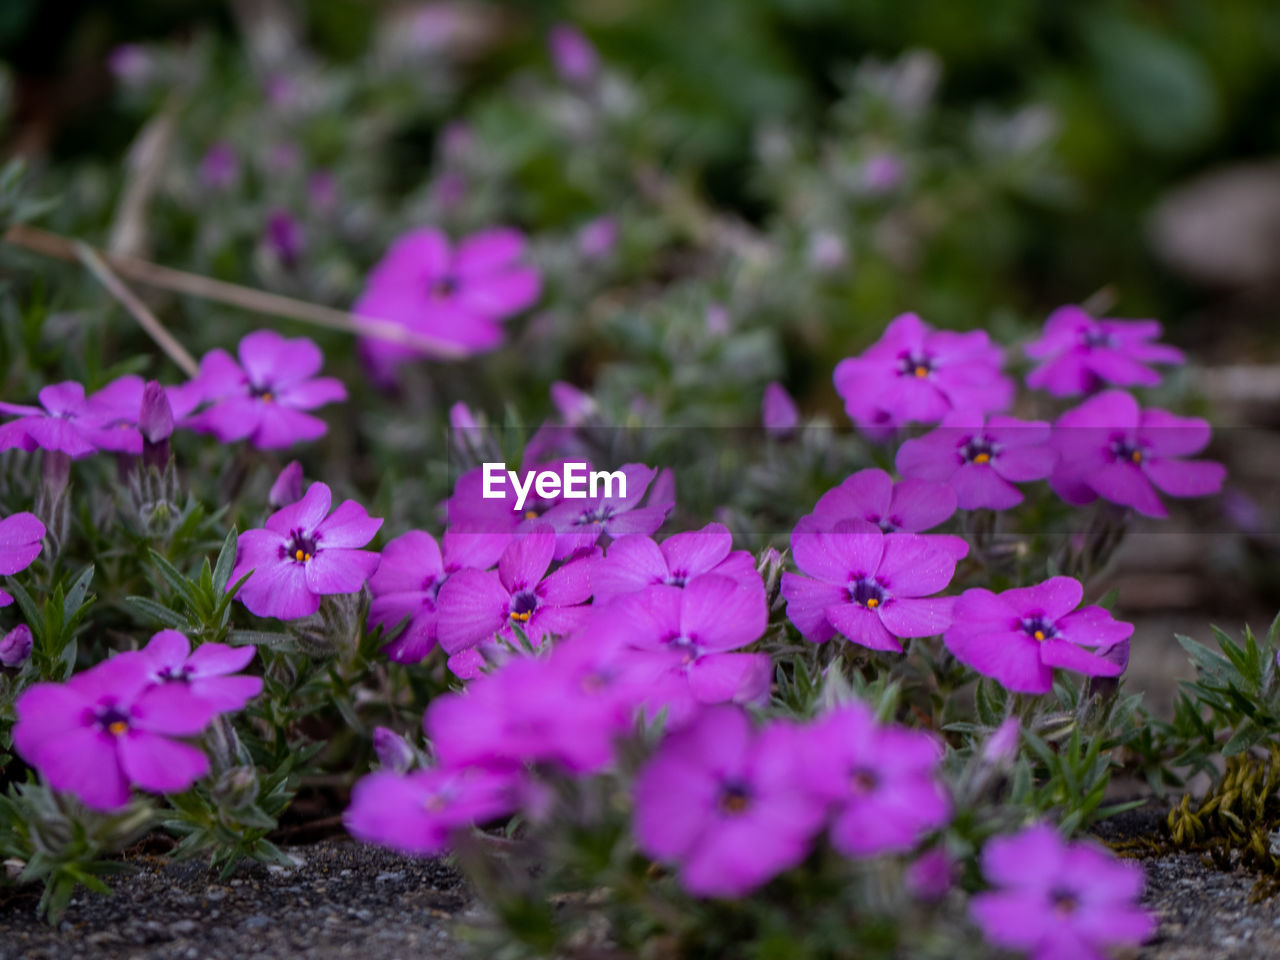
(873, 603)
(306, 556)
(118, 727)
(922, 371)
(522, 617)
(531, 514)
(1136, 456)
(1039, 634)
(982, 458)
(299, 555)
(267, 397)
(735, 803)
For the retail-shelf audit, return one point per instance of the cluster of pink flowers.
(264, 398)
(124, 722)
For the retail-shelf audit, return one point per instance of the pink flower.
(263, 398)
(287, 487)
(907, 506)
(725, 803)
(1021, 635)
(871, 586)
(635, 561)
(869, 774)
(15, 646)
(204, 673)
(530, 710)
(304, 553)
(20, 540)
(678, 643)
(455, 294)
(575, 58)
(411, 571)
(1109, 447)
(69, 422)
(779, 412)
(914, 373)
(1056, 900)
(580, 523)
(417, 813)
(109, 727)
(284, 237)
(1079, 354)
(981, 458)
(475, 605)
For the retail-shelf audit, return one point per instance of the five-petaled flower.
(1111, 448)
(981, 458)
(873, 587)
(1079, 354)
(207, 672)
(305, 552)
(1021, 635)
(1056, 900)
(264, 397)
(20, 540)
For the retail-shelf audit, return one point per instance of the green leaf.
(226, 562)
(1246, 735)
(159, 613)
(76, 595)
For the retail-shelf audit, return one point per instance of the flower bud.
(237, 787)
(1002, 746)
(930, 876)
(769, 566)
(394, 753)
(288, 486)
(779, 412)
(15, 646)
(573, 405)
(155, 423)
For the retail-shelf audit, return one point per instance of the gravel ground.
(344, 900)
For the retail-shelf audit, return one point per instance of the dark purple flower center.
(735, 799)
(978, 450)
(264, 394)
(1038, 628)
(179, 674)
(1064, 901)
(677, 578)
(864, 780)
(865, 592)
(915, 365)
(1125, 449)
(523, 603)
(1093, 336)
(301, 546)
(687, 647)
(598, 515)
(443, 286)
(887, 524)
(112, 721)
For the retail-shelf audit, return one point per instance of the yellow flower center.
(921, 371)
(522, 617)
(982, 458)
(118, 727)
(531, 514)
(1136, 456)
(301, 555)
(873, 602)
(267, 397)
(1039, 634)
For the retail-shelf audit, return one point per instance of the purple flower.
(597, 238)
(1056, 900)
(575, 58)
(574, 406)
(679, 642)
(871, 586)
(263, 397)
(69, 422)
(220, 167)
(283, 237)
(468, 508)
(456, 295)
(580, 523)
(1020, 635)
(882, 172)
(287, 487)
(1108, 447)
(392, 750)
(931, 875)
(155, 415)
(109, 727)
(907, 506)
(407, 583)
(870, 774)
(914, 373)
(304, 553)
(779, 412)
(417, 813)
(1002, 746)
(20, 537)
(726, 804)
(528, 711)
(635, 561)
(475, 605)
(1079, 354)
(981, 458)
(205, 673)
(15, 646)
